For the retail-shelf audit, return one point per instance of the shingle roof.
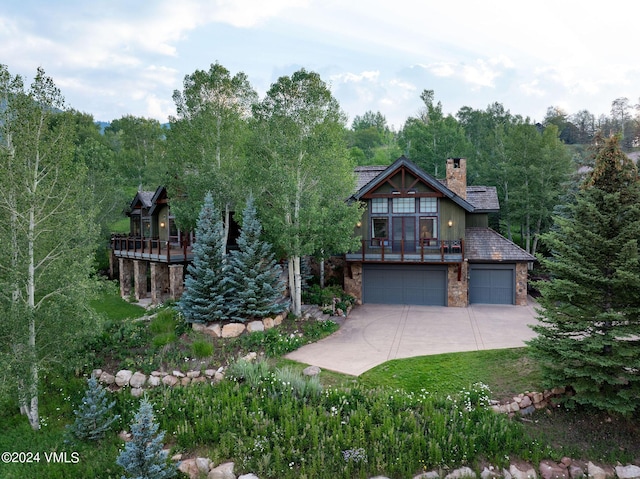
(483, 198)
(143, 197)
(484, 244)
(364, 174)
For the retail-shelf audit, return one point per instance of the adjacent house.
(428, 242)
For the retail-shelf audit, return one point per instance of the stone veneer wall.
(353, 281)
(140, 278)
(458, 291)
(522, 274)
(176, 281)
(126, 275)
(159, 281)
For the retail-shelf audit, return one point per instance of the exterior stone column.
(353, 280)
(176, 281)
(521, 284)
(458, 285)
(159, 281)
(126, 274)
(140, 278)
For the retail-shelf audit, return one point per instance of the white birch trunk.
(297, 282)
(322, 273)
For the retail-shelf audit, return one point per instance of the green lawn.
(505, 371)
(115, 308)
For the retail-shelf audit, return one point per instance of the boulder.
(233, 330)
(199, 327)
(522, 471)
(209, 372)
(551, 470)
(248, 476)
(277, 321)
(189, 467)
(137, 392)
(525, 402)
(577, 469)
(218, 376)
(214, 330)
(137, 380)
(96, 373)
(185, 381)
(107, 378)
(122, 377)
(176, 457)
(178, 374)
(223, 471)
(428, 475)
(203, 464)
(600, 472)
(463, 472)
(154, 381)
(311, 371)
(193, 374)
(170, 380)
(628, 472)
(255, 326)
(158, 374)
(199, 379)
(268, 323)
(251, 357)
(490, 473)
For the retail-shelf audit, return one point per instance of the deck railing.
(150, 248)
(423, 251)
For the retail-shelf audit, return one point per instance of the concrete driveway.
(376, 333)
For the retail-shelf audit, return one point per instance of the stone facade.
(159, 282)
(521, 284)
(457, 176)
(176, 281)
(125, 267)
(353, 281)
(458, 285)
(140, 278)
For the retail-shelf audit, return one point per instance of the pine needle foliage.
(589, 331)
(93, 418)
(254, 274)
(143, 456)
(206, 290)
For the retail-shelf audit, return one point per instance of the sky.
(121, 57)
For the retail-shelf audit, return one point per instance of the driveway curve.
(376, 333)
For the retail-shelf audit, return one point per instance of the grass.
(506, 371)
(114, 308)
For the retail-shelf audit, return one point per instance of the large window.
(428, 205)
(379, 205)
(428, 230)
(404, 205)
(380, 231)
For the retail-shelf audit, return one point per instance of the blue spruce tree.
(143, 457)
(93, 416)
(205, 296)
(254, 274)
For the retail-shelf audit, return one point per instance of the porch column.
(176, 281)
(140, 278)
(353, 280)
(521, 284)
(458, 285)
(126, 274)
(159, 281)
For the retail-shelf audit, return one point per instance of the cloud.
(348, 77)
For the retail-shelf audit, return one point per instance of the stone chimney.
(457, 176)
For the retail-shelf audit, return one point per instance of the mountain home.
(428, 242)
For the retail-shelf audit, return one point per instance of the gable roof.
(403, 162)
(486, 245)
(143, 198)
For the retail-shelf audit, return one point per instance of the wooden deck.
(383, 250)
(150, 249)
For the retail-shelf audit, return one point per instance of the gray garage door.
(492, 284)
(404, 284)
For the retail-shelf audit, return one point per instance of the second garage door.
(404, 284)
(492, 284)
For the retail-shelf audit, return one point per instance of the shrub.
(164, 322)
(163, 339)
(202, 349)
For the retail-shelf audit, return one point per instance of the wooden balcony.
(384, 250)
(151, 249)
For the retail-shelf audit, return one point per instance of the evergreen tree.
(253, 273)
(143, 457)
(93, 416)
(590, 321)
(205, 297)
